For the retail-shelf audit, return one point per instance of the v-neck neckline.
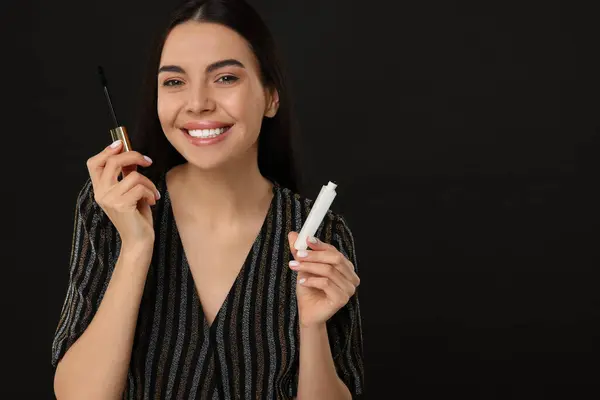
(198, 303)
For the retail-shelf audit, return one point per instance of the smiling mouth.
(207, 133)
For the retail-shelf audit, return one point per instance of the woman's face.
(211, 101)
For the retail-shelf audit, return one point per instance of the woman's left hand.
(326, 281)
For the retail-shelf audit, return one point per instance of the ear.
(272, 103)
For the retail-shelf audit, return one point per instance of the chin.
(207, 165)
(218, 160)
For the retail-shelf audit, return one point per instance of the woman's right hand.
(126, 202)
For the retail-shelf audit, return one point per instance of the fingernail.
(302, 253)
(115, 144)
(313, 240)
(157, 195)
(301, 281)
(148, 159)
(294, 263)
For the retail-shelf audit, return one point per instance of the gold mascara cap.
(120, 133)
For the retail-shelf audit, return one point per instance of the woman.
(184, 282)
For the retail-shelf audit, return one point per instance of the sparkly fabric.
(251, 350)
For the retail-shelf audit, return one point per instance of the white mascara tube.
(316, 215)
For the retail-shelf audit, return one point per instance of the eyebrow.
(212, 67)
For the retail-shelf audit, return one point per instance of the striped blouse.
(251, 350)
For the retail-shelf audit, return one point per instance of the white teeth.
(206, 133)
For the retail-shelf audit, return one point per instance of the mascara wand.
(118, 132)
(104, 84)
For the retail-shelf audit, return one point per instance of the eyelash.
(167, 83)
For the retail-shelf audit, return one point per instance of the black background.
(464, 139)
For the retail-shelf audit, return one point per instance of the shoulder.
(85, 197)
(87, 208)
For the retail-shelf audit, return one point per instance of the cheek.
(166, 108)
(246, 106)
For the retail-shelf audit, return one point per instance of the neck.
(225, 197)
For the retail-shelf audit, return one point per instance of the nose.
(200, 100)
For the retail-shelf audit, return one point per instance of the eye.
(228, 79)
(172, 82)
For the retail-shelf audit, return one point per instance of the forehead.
(202, 43)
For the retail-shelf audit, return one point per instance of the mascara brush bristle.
(101, 75)
(104, 84)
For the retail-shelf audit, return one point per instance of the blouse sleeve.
(345, 327)
(91, 265)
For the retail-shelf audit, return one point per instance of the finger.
(315, 243)
(326, 271)
(127, 201)
(137, 193)
(96, 164)
(115, 164)
(344, 265)
(134, 179)
(304, 275)
(292, 237)
(329, 256)
(332, 291)
(128, 170)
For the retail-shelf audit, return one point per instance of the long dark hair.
(276, 159)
